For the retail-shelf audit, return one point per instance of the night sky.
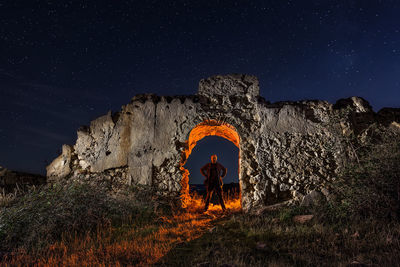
(65, 63)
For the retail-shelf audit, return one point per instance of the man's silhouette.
(212, 172)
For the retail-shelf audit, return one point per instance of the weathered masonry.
(286, 149)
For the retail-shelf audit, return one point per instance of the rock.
(283, 187)
(109, 142)
(394, 125)
(358, 104)
(236, 85)
(84, 165)
(355, 235)
(60, 167)
(297, 196)
(388, 115)
(302, 218)
(310, 199)
(261, 245)
(277, 206)
(326, 193)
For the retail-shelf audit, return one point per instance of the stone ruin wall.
(286, 149)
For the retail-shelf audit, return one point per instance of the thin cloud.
(67, 93)
(3, 72)
(72, 115)
(45, 133)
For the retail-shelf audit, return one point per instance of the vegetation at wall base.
(369, 187)
(41, 215)
(272, 239)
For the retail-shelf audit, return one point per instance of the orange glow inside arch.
(201, 130)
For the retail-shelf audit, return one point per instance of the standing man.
(212, 172)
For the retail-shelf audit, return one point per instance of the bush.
(43, 214)
(368, 188)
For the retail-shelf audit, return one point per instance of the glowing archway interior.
(201, 130)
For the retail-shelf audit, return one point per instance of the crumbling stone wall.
(286, 149)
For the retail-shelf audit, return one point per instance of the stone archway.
(287, 149)
(206, 128)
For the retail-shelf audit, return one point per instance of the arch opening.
(201, 130)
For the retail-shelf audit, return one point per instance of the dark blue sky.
(227, 154)
(64, 63)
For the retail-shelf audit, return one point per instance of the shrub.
(368, 188)
(39, 217)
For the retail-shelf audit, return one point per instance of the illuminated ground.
(131, 245)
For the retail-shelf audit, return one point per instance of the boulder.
(311, 198)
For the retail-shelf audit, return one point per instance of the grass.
(273, 240)
(75, 224)
(79, 224)
(40, 216)
(191, 238)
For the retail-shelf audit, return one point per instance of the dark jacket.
(210, 181)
